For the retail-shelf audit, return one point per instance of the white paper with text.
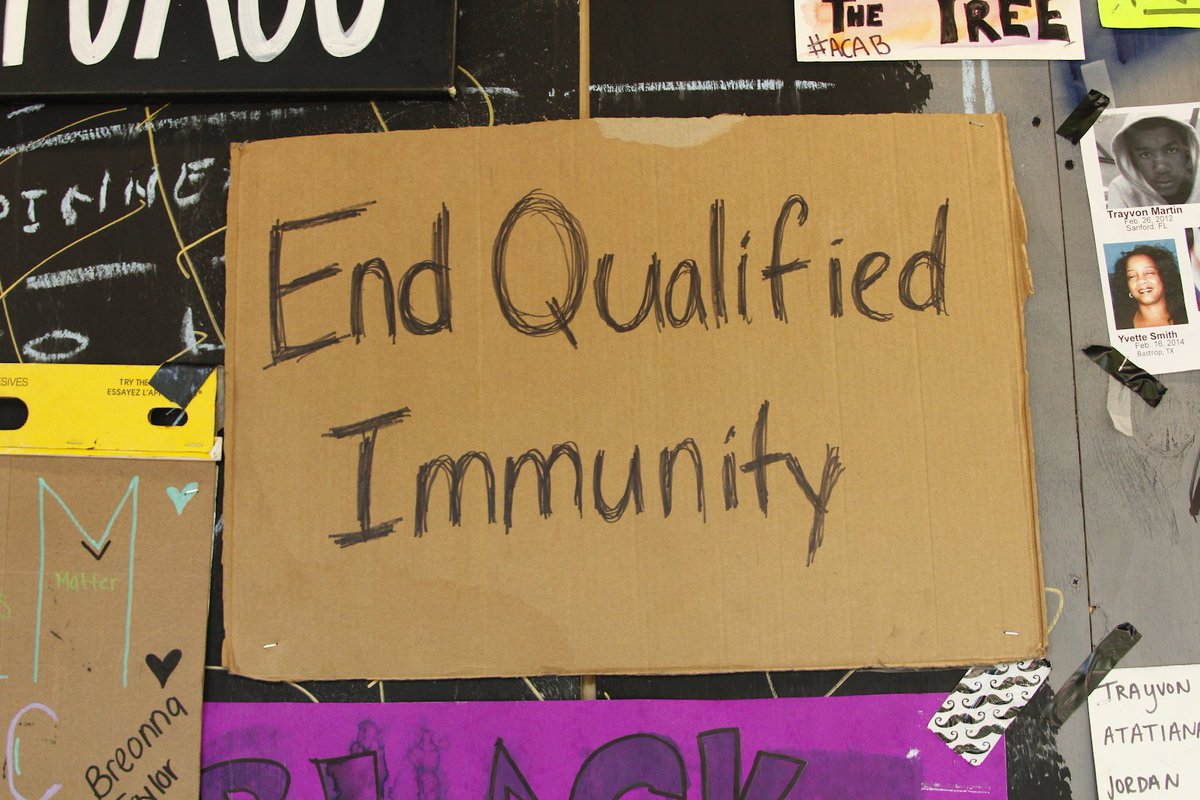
(1146, 732)
(1140, 166)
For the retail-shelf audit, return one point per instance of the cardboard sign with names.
(626, 396)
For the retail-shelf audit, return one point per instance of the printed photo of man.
(1156, 157)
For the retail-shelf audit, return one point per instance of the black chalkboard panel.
(186, 48)
(113, 226)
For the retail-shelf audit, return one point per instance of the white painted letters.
(15, 12)
(222, 28)
(90, 50)
(339, 42)
(257, 45)
(154, 22)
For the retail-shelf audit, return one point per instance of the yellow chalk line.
(1062, 602)
(202, 336)
(838, 685)
(187, 248)
(533, 689)
(303, 691)
(175, 227)
(68, 126)
(486, 98)
(379, 116)
(64, 248)
(12, 335)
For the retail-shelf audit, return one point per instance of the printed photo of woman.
(1147, 290)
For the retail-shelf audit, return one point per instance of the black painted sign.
(179, 48)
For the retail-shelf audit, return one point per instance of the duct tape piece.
(1091, 672)
(1148, 387)
(1079, 121)
(1119, 401)
(179, 383)
(1095, 76)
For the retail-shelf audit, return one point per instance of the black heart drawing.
(163, 667)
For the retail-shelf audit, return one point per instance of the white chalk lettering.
(32, 195)
(191, 175)
(69, 215)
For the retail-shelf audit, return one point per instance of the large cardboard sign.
(629, 396)
(871, 746)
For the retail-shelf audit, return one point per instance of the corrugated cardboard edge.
(1024, 282)
(232, 264)
(670, 132)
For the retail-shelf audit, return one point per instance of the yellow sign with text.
(1150, 13)
(102, 410)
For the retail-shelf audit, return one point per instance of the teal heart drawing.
(181, 497)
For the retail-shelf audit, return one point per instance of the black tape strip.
(1091, 672)
(180, 382)
(1194, 494)
(1080, 121)
(1148, 387)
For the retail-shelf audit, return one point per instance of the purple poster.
(788, 749)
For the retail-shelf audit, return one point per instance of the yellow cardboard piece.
(103, 410)
(1150, 13)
